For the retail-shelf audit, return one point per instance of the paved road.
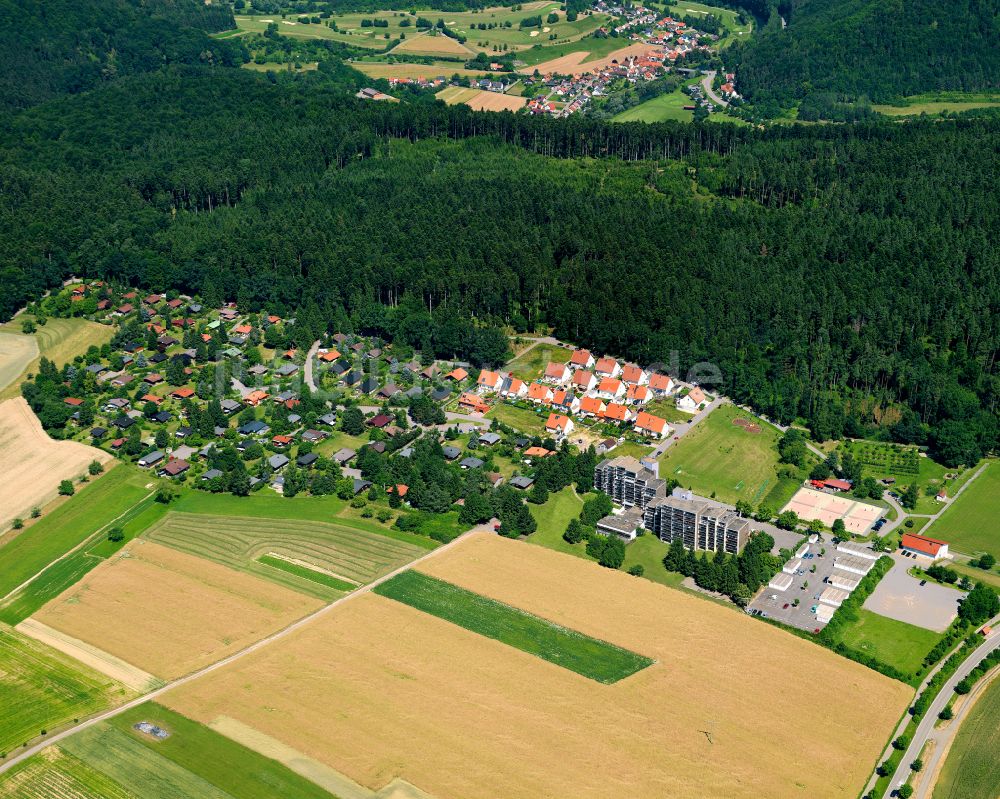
(706, 84)
(308, 368)
(683, 428)
(944, 738)
(23, 754)
(925, 729)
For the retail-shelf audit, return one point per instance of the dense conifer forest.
(875, 49)
(845, 274)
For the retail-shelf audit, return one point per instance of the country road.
(23, 754)
(706, 84)
(925, 729)
(308, 367)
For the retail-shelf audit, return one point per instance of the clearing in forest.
(394, 692)
(172, 613)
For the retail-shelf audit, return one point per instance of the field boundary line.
(87, 541)
(256, 645)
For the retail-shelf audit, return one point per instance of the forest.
(868, 49)
(823, 275)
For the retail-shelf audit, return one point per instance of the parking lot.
(806, 586)
(901, 596)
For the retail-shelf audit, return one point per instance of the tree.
(95, 467)
(910, 497)
(116, 534)
(613, 553)
(595, 509)
(636, 570)
(66, 488)
(839, 529)
(17, 523)
(744, 508)
(905, 791)
(133, 441)
(917, 765)
(675, 558)
(742, 595)
(353, 421)
(980, 604)
(162, 438)
(986, 562)
(539, 494)
(787, 520)
(792, 448)
(574, 532)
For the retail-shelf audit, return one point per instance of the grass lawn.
(892, 642)
(630, 448)
(597, 660)
(42, 689)
(970, 522)
(660, 109)
(726, 16)
(552, 518)
(93, 507)
(933, 103)
(991, 577)
(531, 364)
(527, 421)
(718, 457)
(666, 408)
(648, 551)
(59, 340)
(972, 768)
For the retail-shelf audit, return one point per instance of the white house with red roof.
(559, 425)
(611, 389)
(608, 367)
(558, 373)
(584, 381)
(488, 381)
(653, 426)
(922, 545)
(661, 385)
(691, 402)
(634, 375)
(581, 359)
(539, 393)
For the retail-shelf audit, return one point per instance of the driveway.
(901, 597)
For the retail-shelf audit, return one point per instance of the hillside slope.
(66, 46)
(880, 49)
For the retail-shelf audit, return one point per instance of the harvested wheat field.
(378, 690)
(493, 101)
(169, 613)
(573, 64)
(34, 464)
(425, 44)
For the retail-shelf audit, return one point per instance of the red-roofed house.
(638, 395)
(557, 373)
(592, 406)
(617, 413)
(691, 401)
(473, 402)
(610, 389)
(242, 330)
(836, 484)
(584, 380)
(182, 393)
(559, 425)
(458, 374)
(255, 398)
(581, 359)
(649, 425)
(608, 367)
(539, 394)
(329, 356)
(661, 384)
(634, 375)
(923, 545)
(565, 401)
(488, 381)
(73, 401)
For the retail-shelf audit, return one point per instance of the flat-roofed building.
(854, 565)
(627, 481)
(857, 550)
(824, 613)
(697, 522)
(792, 566)
(834, 596)
(780, 582)
(622, 525)
(844, 580)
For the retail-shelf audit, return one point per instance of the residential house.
(565, 401)
(471, 463)
(581, 359)
(584, 381)
(653, 426)
(150, 459)
(638, 395)
(634, 375)
(559, 426)
(523, 482)
(174, 467)
(593, 407)
(255, 398)
(616, 412)
(458, 374)
(607, 367)
(691, 402)
(513, 387)
(540, 394)
(379, 421)
(450, 453)
(488, 381)
(182, 393)
(472, 403)
(277, 461)
(661, 384)
(611, 389)
(557, 373)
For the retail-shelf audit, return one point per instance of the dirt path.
(12, 761)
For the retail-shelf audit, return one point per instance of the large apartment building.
(698, 522)
(627, 481)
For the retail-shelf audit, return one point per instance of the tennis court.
(810, 504)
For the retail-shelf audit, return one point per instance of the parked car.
(785, 606)
(923, 582)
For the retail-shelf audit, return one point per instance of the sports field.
(396, 692)
(59, 340)
(41, 689)
(972, 768)
(172, 612)
(721, 457)
(34, 464)
(95, 505)
(588, 656)
(350, 555)
(969, 523)
(810, 504)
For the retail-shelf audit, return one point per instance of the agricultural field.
(402, 69)
(454, 95)
(598, 660)
(972, 768)
(33, 464)
(892, 642)
(493, 101)
(94, 507)
(16, 352)
(59, 340)
(588, 49)
(157, 598)
(720, 458)
(531, 363)
(389, 688)
(54, 773)
(936, 103)
(431, 44)
(580, 62)
(969, 523)
(256, 545)
(42, 689)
